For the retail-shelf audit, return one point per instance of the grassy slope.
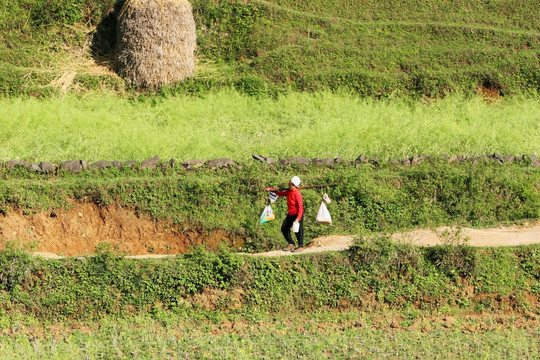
(374, 276)
(370, 199)
(380, 298)
(374, 48)
(257, 31)
(334, 33)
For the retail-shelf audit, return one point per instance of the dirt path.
(514, 235)
(79, 230)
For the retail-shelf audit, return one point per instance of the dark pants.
(286, 230)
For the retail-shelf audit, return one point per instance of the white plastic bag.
(326, 198)
(267, 214)
(323, 216)
(295, 226)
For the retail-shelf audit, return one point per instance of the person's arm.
(275, 191)
(300, 204)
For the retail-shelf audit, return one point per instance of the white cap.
(295, 180)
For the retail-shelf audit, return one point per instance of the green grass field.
(349, 335)
(228, 124)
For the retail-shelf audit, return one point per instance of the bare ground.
(525, 234)
(80, 229)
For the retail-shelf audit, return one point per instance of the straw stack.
(155, 42)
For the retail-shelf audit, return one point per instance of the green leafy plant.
(454, 257)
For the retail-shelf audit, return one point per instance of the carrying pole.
(311, 187)
(319, 186)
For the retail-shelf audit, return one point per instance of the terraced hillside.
(381, 49)
(425, 115)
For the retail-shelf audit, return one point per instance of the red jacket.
(295, 205)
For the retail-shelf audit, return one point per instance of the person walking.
(295, 212)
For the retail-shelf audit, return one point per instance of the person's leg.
(286, 228)
(300, 233)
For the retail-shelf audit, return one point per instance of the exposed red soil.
(80, 229)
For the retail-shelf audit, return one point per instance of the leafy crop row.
(229, 124)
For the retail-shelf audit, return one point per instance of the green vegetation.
(279, 78)
(372, 48)
(374, 274)
(357, 335)
(383, 199)
(227, 124)
(379, 297)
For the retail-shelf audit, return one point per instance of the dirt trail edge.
(528, 233)
(525, 234)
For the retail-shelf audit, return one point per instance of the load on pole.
(312, 186)
(319, 186)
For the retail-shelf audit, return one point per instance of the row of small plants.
(305, 335)
(374, 274)
(324, 125)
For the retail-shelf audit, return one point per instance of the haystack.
(155, 42)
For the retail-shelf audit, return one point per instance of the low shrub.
(454, 257)
(374, 273)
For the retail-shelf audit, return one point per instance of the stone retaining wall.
(76, 166)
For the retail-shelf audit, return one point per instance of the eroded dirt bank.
(78, 230)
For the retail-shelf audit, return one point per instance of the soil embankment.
(80, 229)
